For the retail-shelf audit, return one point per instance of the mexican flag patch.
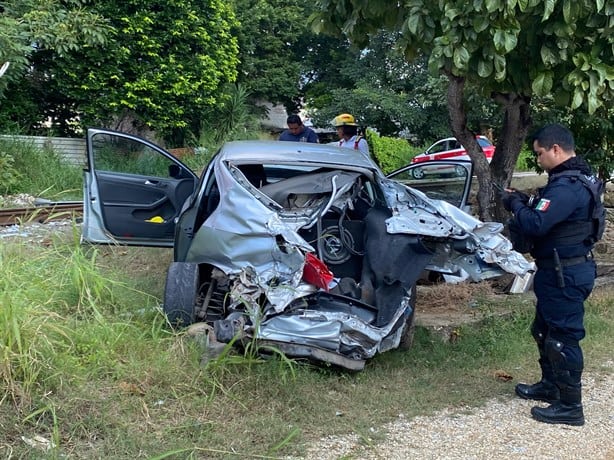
(543, 204)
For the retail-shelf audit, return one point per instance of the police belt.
(550, 263)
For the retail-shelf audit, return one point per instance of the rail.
(41, 213)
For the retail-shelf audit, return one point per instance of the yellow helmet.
(345, 119)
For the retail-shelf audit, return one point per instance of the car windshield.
(484, 142)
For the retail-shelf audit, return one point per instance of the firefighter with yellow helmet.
(347, 130)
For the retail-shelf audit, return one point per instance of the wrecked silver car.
(306, 248)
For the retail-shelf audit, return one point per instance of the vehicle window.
(438, 181)
(122, 155)
(484, 142)
(439, 147)
(455, 145)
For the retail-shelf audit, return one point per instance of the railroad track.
(43, 212)
(48, 211)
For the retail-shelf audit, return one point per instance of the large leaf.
(542, 85)
(413, 23)
(484, 68)
(461, 57)
(493, 5)
(548, 8)
(549, 57)
(578, 98)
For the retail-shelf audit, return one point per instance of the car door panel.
(130, 209)
(135, 190)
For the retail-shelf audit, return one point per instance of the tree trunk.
(458, 121)
(516, 123)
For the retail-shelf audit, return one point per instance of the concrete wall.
(72, 150)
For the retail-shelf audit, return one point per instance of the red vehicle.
(448, 149)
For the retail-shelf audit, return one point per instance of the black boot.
(568, 410)
(543, 390)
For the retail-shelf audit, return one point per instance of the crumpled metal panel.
(415, 213)
(335, 331)
(242, 232)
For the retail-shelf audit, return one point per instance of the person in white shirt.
(347, 130)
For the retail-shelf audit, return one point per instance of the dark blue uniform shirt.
(564, 198)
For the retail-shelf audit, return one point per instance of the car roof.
(290, 152)
(479, 136)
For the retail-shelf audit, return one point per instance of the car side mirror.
(174, 171)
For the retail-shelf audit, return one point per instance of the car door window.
(124, 155)
(439, 147)
(437, 180)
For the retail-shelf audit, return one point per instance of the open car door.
(133, 190)
(446, 180)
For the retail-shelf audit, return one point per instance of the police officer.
(559, 224)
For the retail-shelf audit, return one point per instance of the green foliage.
(160, 69)
(593, 133)
(520, 47)
(526, 160)
(390, 153)
(29, 25)
(379, 87)
(273, 39)
(9, 176)
(230, 120)
(38, 172)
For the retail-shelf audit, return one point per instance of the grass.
(90, 369)
(88, 364)
(25, 168)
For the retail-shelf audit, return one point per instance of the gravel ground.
(500, 429)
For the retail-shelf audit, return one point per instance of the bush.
(9, 176)
(526, 161)
(390, 153)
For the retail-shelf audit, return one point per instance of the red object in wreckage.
(316, 272)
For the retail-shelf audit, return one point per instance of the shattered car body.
(306, 248)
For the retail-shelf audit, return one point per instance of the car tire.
(181, 293)
(407, 339)
(418, 173)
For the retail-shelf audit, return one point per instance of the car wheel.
(181, 293)
(418, 173)
(407, 339)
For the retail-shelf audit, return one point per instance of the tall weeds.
(25, 168)
(59, 315)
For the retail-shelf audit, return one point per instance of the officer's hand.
(509, 196)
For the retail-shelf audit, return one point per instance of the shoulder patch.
(543, 205)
